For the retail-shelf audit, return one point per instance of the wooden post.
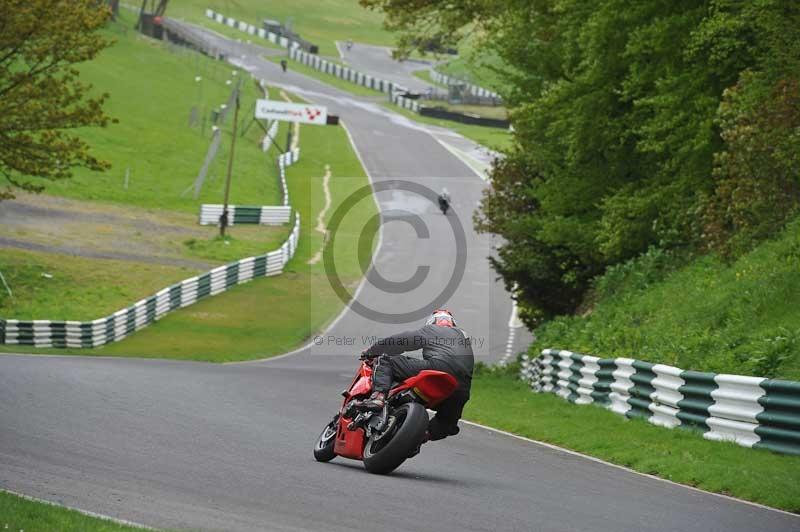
(225, 217)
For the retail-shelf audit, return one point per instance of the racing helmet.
(441, 318)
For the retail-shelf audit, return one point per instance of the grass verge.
(491, 137)
(19, 513)
(485, 111)
(682, 456)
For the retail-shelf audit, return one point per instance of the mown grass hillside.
(741, 317)
(320, 21)
(153, 92)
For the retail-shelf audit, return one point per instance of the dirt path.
(88, 229)
(320, 228)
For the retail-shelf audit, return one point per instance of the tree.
(623, 136)
(41, 97)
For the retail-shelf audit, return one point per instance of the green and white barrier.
(244, 214)
(344, 73)
(751, 411)
(272, 37)
(405, 103)
(285, 160)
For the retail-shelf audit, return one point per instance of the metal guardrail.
(245, 214)
(272, 37)
(405, 103)
(345, 73)
(750, 411)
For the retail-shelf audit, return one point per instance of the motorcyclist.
(444, 201)
(444, 348)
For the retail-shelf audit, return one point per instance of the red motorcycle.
(383, 440)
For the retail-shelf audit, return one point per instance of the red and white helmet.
(441, 318)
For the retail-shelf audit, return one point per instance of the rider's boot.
(374, 403)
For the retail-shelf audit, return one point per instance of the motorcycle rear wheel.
(385, 454)
(323, 450)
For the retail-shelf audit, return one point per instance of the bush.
(705, 314)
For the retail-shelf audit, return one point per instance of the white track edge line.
(87, 513)
(629, 470)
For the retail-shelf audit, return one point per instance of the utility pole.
(224, 218)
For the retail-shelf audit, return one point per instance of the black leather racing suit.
(445, 349)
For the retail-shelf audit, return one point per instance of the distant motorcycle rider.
(444, 348)
(444, 201)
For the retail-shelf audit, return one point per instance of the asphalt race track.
(228, 447)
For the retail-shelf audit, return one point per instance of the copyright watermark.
(415, 342)
(426, 200)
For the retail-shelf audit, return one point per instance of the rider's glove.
(366, 355)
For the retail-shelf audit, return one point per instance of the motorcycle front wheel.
(323, 450)
(384, 453)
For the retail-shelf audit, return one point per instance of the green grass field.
(153, 92)
(740, 318)
(320, 21)
(678, 455)
(49, 286)
(21, 514)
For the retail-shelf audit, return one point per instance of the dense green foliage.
(41, 97)
(667, 123)
(706, 314)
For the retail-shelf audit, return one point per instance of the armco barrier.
(43, 333)
(751, 411)
(261, 32)
(439, 112)
(243, 214)
(405, 103)
(284, 160)
(344, 73)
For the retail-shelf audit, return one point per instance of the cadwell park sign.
(291, 112)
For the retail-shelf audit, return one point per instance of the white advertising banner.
(291, 112)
